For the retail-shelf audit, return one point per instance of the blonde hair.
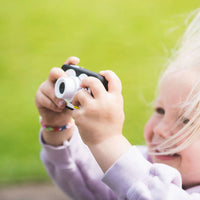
(186, 57)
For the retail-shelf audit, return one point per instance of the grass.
(128, 37)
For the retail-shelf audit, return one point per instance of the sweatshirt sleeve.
(132, 177)
(73, 168)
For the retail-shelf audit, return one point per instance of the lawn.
(131, 37)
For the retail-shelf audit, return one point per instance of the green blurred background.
(131, 37)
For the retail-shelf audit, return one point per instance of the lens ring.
(62, 88)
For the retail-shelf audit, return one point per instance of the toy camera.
(66, 87)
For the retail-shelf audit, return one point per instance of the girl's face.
(174, 90)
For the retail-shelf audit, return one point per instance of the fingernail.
(101, 72)
(61, 103)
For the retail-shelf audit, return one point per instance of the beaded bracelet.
(56, 129)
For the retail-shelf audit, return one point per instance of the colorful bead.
(55, 129)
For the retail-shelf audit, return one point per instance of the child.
(91, 159)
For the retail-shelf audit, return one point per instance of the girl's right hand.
(51, 109)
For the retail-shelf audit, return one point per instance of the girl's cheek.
(148, 131)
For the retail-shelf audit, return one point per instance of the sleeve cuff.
(125, 172)
(60, 155)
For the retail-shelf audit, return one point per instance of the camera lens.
(62, 88)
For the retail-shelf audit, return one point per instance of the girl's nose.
(163, 130)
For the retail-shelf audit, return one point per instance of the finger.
(55, 73)
(48, 90)
(95, 85)
(42, 101)
(81, 98)
(114, 83)
(72, 60)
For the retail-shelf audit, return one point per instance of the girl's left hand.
(100, 119)
(100, 116)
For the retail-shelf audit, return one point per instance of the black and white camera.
(66, 87)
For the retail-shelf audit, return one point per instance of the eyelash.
(160, 111)
(185, 121)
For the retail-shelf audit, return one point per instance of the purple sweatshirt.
(133, 177)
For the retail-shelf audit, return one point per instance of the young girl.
(90, 159)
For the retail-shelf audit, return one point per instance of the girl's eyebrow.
(157, 101)
(182, 115)
(182, 109)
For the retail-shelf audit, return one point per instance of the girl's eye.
(185, 121)
(160, 111)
